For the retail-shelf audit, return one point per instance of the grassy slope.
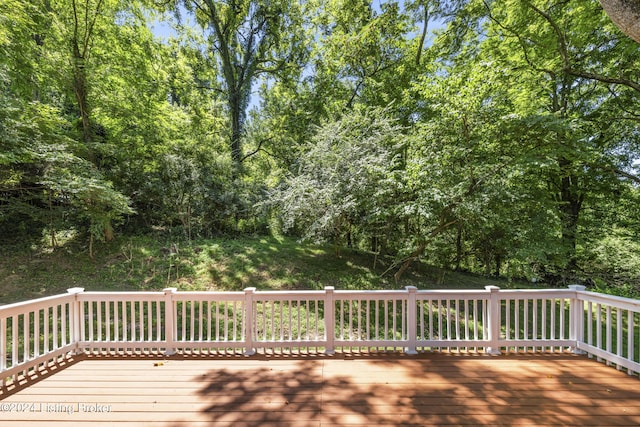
(145, 263)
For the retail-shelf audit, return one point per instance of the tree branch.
(424, 34)
(562, 47)
(406, 262)
(246, 156)
(89, 30)
(627, 175)
(210, 88)
(621, 104)
(75, 25)
(604, 79)
(521, 41)
(562, 42)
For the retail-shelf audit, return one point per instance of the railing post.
(493, 321)
(76, 318)
(248, 321)
(412, 321)
(169, 321)
(576, 321)
(329, 320)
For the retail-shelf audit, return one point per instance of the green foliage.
(554, 124)
(42, 176)
(497, 137)
(615, 259)
(247, 39)
(359, 55)
(44, 179)
(156, 261)
(346, 179)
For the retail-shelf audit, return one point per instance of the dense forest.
(496, 137)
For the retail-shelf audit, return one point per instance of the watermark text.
(54, 407)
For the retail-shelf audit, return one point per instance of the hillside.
(148, 263)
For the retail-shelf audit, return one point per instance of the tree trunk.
(81, 92)
(415, 255)
(487, 258)
(423, 36)
(84, 18)
(237, 126)
(625, 14)
(459, 249)
(237, 109)
(570, 207)
(498, 265)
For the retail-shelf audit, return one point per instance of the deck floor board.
(385, 390)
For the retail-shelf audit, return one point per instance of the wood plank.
(384, 390)
(312, 408)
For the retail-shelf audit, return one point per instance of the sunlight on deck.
(429, 389)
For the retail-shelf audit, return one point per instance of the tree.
(360, 54)
(42, 181)
(458, 160)
(85, 14)
(77, 28)
(164, 127)
(553, 50)
(547, 117)
(345, 181)
(250, 39)
(46, 181)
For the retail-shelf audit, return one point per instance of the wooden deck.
(430, 389)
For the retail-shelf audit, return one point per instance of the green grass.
(137, 263)
(141, 263)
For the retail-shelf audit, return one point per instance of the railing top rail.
(34, 304)
(453, 291)
(120, 296)
(289, 295)
(371, 295)
(453, 294)
(536, 293)
(314, 294)
(238, 293)
(122, 293)
(207, 296)
(619, 302)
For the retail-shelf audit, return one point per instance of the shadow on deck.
(360, 389)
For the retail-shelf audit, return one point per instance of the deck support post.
(170, 326)
(76, 317)
(329, 320)
(576, 322)
(412, 321)
(493, 327)
(248, 321)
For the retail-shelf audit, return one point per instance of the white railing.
(35, 334)
(611, 330)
